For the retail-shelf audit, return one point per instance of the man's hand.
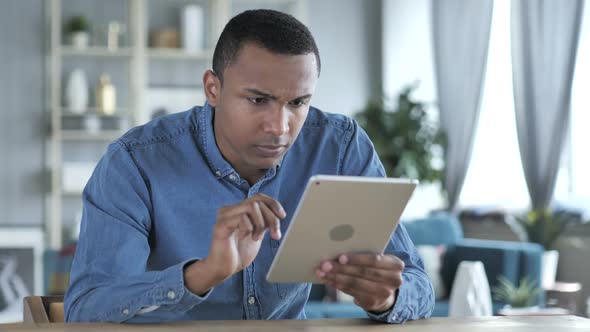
(372, 279)
(237, 236)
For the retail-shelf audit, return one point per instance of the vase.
(192, 28)
(79, 39)
(549, 263)
(76, 97)
(470, 294)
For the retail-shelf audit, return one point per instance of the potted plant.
(77, 29)
(521, 296)
(544, 226)
(409, 144)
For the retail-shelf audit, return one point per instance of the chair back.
(43, 309)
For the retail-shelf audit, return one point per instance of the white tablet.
(339, 214)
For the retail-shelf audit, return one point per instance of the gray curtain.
(544, 44)
(461, 33)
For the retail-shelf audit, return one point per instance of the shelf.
(72, 194)
(142, 68)
(194, 86)
(178, 54)
(94, 51)
(119, 113)
(83, 135)
(268, 2)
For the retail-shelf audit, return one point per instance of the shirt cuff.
(173, 295)
(167, 292)
(180, 296)
(395, 314)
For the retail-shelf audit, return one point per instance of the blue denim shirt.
(150, 207)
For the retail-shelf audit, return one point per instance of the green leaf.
(522, 296)
(406, 141)
(544, 226)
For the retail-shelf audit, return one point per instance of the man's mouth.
(270, 151)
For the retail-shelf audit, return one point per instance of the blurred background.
(485, 102)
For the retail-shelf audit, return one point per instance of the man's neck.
(250, 175)
(254, 177)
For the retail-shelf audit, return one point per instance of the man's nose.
(276, 122)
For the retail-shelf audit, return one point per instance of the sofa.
(513, 260)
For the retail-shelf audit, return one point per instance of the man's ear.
(212, 86)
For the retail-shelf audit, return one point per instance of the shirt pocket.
(285, 290)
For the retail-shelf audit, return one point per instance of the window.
(573, 186)
(495, 176)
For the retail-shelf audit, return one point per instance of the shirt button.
(251, 300)
(218, 173)
(171, 295)
(125, 312)
(232, 177)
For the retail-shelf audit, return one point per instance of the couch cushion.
(498, 257)
(439, 228)
(530, 265)
(317, 310)
(441, 308)
(317, 293)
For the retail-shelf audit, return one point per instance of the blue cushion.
(317, 310)
(441, 309)
(439, 228)
(317, 293)
(531, 256)
(321, 310)
(498, 257)
(313, 310)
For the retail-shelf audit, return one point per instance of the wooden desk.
(484, 324)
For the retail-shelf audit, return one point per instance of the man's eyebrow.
(260, 93)
(270, 96)
(303, 97)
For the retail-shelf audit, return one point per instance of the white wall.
(22, 126)
(407, 48)
(407, 58)
(348, 34)
(372, 46)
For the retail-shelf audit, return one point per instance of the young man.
(176, 212)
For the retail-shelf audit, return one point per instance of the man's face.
(261, 107)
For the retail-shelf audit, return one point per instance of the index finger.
(273, 204)
(379, 261)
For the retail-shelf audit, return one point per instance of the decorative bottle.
(106, 96)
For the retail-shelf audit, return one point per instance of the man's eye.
(297, 103)
(257, 100)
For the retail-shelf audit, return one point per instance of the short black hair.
(270, 29)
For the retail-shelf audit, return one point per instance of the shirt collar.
(218, 165)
